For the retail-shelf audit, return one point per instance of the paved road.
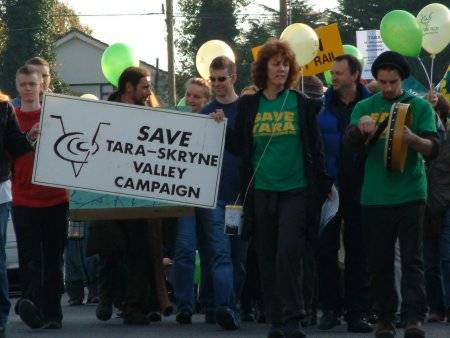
(80, 322)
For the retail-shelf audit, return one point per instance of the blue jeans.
(77, 266)
(5, 305)
(206, 233)
(445, 256)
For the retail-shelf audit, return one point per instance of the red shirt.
(24, 192)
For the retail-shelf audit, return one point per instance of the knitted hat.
(391, 59)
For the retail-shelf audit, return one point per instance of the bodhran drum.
(395, 151)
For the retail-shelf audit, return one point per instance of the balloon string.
(431, 70)
(425, 70)
(303, 81)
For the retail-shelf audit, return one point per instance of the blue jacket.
(333, 119)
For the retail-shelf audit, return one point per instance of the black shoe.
(154, 317)
(247, 317)
(30, 314)
(359, 325)
(292, 329)
(104, 311)
(75, 302)
(184, 317)
(328, 321)
(135, 318)
(414, 330)
(226, 319)
(53, 325)
(385, 330)
(276, 331)
(372, 318)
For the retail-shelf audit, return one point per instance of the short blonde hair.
(201, 83)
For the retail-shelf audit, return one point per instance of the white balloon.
(208, 52)
(89, 96)
(434, 20)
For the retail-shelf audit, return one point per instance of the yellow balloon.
(303, 41)
(208, 52)
(89, 96)
(434, 20)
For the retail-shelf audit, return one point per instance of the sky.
(145, 34)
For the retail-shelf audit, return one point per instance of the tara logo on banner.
(330, 46)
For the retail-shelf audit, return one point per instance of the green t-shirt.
(281, 167)
(384, 187)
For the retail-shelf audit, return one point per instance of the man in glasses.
(227, 253)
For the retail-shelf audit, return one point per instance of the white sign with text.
(129, 150)
(371, 45)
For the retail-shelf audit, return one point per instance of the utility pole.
(283, 15)
(170, 53)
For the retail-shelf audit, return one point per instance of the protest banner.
(371, 45)
(330, 46)
(129, 150)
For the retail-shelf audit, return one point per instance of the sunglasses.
(219, 78)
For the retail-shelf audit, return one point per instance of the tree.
(356, 15)
(30, 28)
(204, 20)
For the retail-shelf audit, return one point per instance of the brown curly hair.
(274, 47)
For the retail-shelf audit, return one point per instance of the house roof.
(75, 33)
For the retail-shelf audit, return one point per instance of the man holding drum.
(393, 197)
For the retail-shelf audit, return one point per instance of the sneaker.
(359, 325)
(135, 318)
(226, 318)
(184, 317)
(104, 311)
(276, 331)
(385, 330)
(30, 314)
(53, 325)
(328, 320)
(414, 330)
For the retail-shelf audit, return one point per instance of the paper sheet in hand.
(329, 209)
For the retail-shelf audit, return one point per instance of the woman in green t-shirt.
(282, 167)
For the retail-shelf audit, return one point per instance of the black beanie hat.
(391, 59)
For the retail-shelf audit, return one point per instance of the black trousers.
(124, 271)
(41, 235)
(280, 240)
(355, 296)
(384, 225)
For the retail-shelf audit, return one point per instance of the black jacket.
(240, 142)
(12, 142)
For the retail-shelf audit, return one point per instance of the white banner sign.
(129, 150)
(371, 45)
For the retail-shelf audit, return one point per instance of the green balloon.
(182, 102)
(401, 33)
(115, 59)
(327, 76)
(352, 50)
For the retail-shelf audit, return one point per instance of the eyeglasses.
(219, 78)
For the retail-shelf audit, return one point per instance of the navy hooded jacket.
(333, 119)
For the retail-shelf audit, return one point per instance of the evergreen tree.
(29, 28)
(28, 33)
(204, 20)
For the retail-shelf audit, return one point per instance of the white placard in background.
(129, 150)
(371, 45)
